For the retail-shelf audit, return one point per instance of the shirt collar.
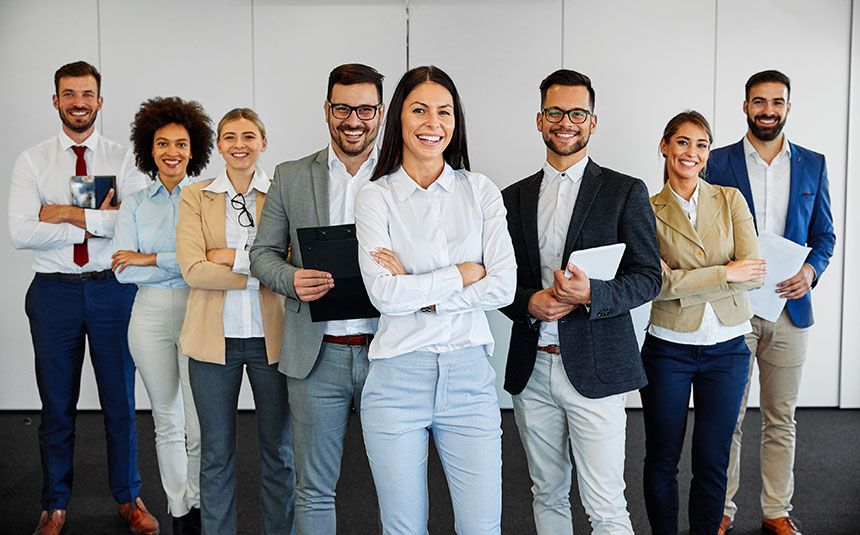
(750, 152)
(694, 198)
(222, 184)
(334, 160)
(66, 142)
(153, 189)
(574, 172)
(403, 186)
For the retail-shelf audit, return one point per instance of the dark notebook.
(90, 191)
(335, 250)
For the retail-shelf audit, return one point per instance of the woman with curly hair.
(233, 324)
(172, 140)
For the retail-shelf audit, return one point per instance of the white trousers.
(550, 413)
(153, 338)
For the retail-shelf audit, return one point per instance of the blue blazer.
(808, 222)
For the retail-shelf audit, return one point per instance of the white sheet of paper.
(784, 259)
(599, 263)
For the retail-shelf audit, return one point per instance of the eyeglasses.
(365, 112)
(238, 203)
(576, 115)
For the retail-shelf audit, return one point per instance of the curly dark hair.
(161, 111)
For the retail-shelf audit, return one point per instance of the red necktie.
(81, 255)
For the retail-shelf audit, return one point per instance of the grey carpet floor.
(827, 497)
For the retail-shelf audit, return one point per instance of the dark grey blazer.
(598, 346)
(297, 198)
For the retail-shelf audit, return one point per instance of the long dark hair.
(391, 154)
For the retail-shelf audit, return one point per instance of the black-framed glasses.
(576, 115)
(365, 112)
(238, 203)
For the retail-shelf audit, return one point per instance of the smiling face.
(353, 137)
(767, 110)
(171, 150)
(240, 143)
(78, 102)
(566, 141)
(427, 122)
(686, 152)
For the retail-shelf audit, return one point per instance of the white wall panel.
(849, 393)
(492, 52)
(297, 44)
(812, 47)
(34, 44)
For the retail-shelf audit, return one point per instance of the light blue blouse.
(147, 224)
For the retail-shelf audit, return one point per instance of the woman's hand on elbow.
(221, 256)
(745, 270)
(387, 259)
(471, 272)
(122, 259)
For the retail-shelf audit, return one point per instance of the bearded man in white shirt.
(786, 188)
(325, 362)
(75, 298)
(573, 352)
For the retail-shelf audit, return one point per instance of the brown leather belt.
(555, 350)
(349, 340)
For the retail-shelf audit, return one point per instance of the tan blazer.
(202, 223)
(698, 257)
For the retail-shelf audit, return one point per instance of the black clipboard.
(335, 250)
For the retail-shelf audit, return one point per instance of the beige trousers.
(780, 349)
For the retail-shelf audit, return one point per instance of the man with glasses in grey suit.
(325, 362)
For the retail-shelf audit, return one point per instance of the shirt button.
(700, 254)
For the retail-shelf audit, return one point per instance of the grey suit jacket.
(297, 198)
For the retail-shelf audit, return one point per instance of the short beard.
(349, 150)
(765, 135)
(578, 146)
(75, 128)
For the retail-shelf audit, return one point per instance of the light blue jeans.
(320, 405)
(216, 394)
(453, 397)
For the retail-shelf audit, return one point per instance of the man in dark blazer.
(788, 194)
(573, 352)
(325, 362)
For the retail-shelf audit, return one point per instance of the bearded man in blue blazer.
(787, 191)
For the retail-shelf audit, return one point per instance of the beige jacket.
(202, 223)
(698, 258)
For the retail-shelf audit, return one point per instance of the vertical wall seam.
(716, 42)
(562, 34)
(853, 42)
(406, 8)
(253, 59)
(99, 52)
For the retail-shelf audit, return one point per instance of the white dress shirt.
(711, 331)
(459, 218)
(242, 316)
(558, 193)
(41, 176)
(342, 189)
(770, 185)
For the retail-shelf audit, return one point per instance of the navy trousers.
(63, 314)
(718, 375)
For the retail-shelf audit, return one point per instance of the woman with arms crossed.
(434, 252)
(172, 140)
(709, 251)
(233, 324)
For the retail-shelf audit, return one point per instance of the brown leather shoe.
(726, 525)
(138, 518)
(51, 522)
(780, 526)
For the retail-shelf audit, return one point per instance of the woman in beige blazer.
(709, 251)
(234, 323)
